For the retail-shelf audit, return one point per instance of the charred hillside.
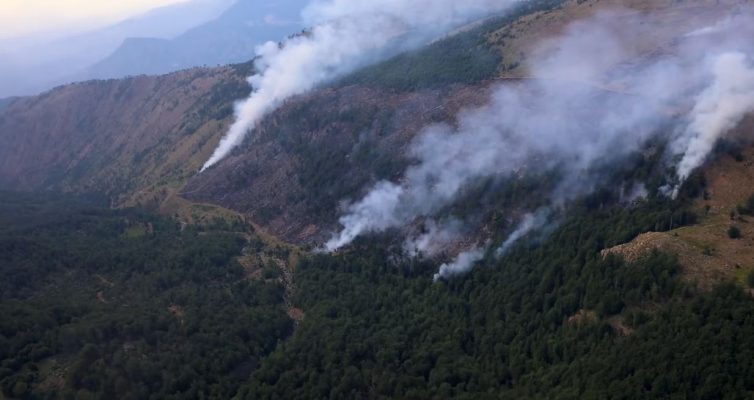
(320, 149)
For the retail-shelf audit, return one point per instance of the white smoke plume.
(582, 109)
(345, 34)
(718, 109)
(465, 261)
(434, 239)
(529, 223)
(461, 265)
(634, 193)
(376, 212)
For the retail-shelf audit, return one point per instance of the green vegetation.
(750, 279)
(120, 304)
(123, 304)
(463, 58)
(378, 327)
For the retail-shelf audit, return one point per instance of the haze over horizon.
(24, 18)
(44, 44)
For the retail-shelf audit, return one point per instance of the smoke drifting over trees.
(582, 108)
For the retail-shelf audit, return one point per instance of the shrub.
(750, 279)
(734, 232)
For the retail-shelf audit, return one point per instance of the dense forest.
(555, 320)
(100, 304)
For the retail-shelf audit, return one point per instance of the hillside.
(320, 149)
(708, 252)
(130, 139)
(468, 64)
(141, 140)
(155, 131)
(145, 137)
(583, 264)
(669, 20)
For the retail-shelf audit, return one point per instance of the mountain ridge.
(228, 39)
(355, 113)
(33, 64)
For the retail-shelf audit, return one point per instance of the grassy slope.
(136, 140)
(708, 254)
(525, 38)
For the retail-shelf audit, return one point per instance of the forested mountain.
(596, 268)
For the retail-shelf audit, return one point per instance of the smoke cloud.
(529, 223)
(465, 261)
(346, 34)
(461, 265)
(434, 239)
(718, 109)
(584, 107)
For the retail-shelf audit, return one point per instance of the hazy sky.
(25, 17)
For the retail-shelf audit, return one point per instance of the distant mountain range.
(231, 38)
(197, 33)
